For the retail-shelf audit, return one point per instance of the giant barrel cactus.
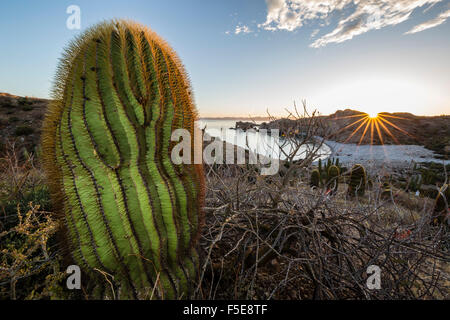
(129, 212)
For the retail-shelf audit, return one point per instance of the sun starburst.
(375, 124)
(372, 115)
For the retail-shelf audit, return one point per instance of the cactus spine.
(357, 183)
(129, 211)
(315, 178)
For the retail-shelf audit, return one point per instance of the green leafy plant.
(131, 216)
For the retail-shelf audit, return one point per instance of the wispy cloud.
(440, 19)
(242, 29)
(314, 33)
(356, 16)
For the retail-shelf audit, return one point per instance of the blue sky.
(248, 56)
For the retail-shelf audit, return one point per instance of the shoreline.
(381, 157)
(390, 157)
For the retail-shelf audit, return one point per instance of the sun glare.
(378, 123)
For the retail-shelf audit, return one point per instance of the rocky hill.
(405, 128)
(21, 120)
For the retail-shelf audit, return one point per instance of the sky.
(250, 57)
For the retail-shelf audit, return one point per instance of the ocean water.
(258, 142)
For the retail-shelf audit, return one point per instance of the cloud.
(356, 16)
(440, 19)
(314, 33)
(242, 29)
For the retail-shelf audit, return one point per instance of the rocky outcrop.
(244, 125)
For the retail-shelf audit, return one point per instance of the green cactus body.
(333, 178)
(442, 203)
(315, 178)
(129, 212)
(358, 179)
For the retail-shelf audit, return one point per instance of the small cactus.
(415, 183)
(315, 178)
(358, 180)
(333, 178)
(325, 168)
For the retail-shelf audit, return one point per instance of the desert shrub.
(29, 258)
(23, 101)
(21, 182)
(312, 246)
(7, 105)
(29, 268)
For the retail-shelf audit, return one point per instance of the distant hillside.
(21, 120)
